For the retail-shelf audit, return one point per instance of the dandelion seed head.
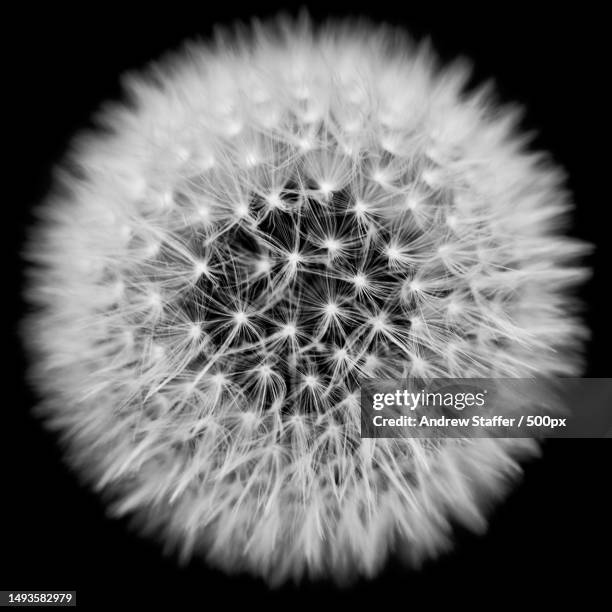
(294, 258)
(331, 308)
(240, 317)
(201, 268)
(242, 210)
(305, 144)
(326, 189)
(195, 330)
(274, 200)
(393, 251)
(332, 245)
(267, 223)
(340, 354)
(289, 329)
(360, 280)
(312, 381)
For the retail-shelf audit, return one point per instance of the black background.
(552, 537)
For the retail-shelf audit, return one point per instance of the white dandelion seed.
(266, 222)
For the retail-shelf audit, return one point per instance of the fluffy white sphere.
(269, 219)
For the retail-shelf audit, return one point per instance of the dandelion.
(269, 220)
